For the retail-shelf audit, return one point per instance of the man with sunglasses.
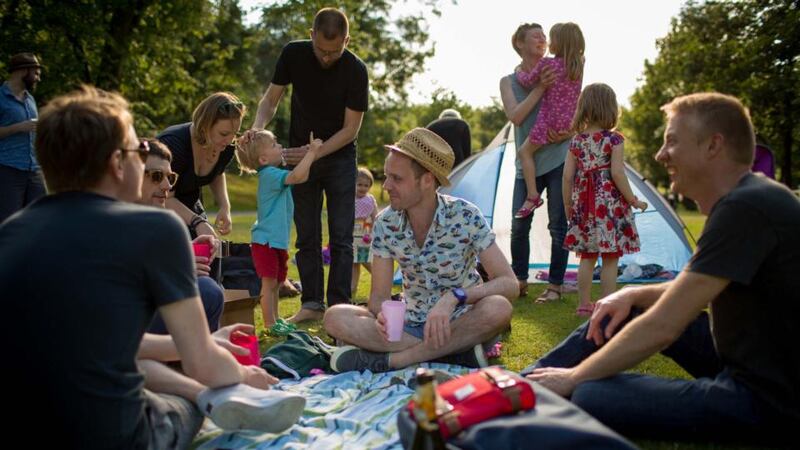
(83, 270)
(329, 98)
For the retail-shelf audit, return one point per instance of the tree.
(747, 49)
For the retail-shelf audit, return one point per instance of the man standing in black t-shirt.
(744, 270)
(453, 129)
(83, 271)
(329, 98)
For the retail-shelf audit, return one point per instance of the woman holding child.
(201, 149)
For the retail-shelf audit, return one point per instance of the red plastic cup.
(395, 314)
(249, 342)
(202, 249)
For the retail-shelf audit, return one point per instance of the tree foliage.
(749, 49)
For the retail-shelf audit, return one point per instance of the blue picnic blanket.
(349, 410)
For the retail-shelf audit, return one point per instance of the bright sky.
(473, 42)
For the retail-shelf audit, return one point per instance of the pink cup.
(395, 314)
(202, 249)
(249, 342)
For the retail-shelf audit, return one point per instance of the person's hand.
(247, 137)
(26, 126)
(201, 263)
(293, 155)
(437, 325)
(547, 76)
(223, 337)
(223, 223)
(314, 144)
(380, 325)
(554, 136)
(557, 379)
(617, 307)
(641, 205)
(257, 377)
(366, 238)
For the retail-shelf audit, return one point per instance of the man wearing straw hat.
(437, 240)
(20, 178)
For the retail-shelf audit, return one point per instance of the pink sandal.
(525, 212)
(585, 311)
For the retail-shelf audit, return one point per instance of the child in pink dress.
(366, 211)
(558, 102)
(597, 195)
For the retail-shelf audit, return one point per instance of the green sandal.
(281, 328)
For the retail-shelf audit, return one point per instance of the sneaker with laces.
(349, 357)
(473, 358)
(243, 407)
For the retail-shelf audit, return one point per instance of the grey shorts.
(173, 421)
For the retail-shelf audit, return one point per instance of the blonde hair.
(363, 172)
(248, 155)
(217, 106)
(568, 43)
(718, 113)
(519, 35)
(597, 105)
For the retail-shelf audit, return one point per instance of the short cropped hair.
(77, 133)
(217, 106)
(332, 23)
(159, 150)
(597, 105)
(519, 35)
(718, 113)
(363, 172)
(247, 155)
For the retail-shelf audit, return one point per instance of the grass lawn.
(535, 328)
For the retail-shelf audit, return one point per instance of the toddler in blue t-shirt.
(270, 234)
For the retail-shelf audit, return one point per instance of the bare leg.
(268, 297)
(354, 283)
(529, 172)
(161, 379)
(367, 266)
(585, 271)
(608, 276)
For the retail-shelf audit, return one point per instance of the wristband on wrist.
(197, 220)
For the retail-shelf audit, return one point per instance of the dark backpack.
(238, 271)
(297, 355)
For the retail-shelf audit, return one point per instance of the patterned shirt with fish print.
(447, 259)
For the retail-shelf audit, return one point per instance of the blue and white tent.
(487, 180)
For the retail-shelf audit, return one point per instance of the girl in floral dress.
(597, 196)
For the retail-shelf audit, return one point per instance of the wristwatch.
(461, 296)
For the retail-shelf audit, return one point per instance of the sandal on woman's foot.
(525, 212)
(549, 295)
(585, 311)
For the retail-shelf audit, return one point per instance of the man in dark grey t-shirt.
(744, 270)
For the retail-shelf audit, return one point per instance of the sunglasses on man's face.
(143, 150)
(157, 176)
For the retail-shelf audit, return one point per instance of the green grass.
(534, 328)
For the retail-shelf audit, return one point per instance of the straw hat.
(23, 61)
(429, 150)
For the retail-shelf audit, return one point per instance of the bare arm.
(515, 111)
(300, 173)
(566, 182)
(620, 180)
(219, 188)
(202, 359)
(381, 287)
(187, 215)
(348, 133)
(268, 105)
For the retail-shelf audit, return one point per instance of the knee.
(588, 396)
(211, 294)
(334, 320)
(499, 311)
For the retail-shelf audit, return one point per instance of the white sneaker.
(243, 407)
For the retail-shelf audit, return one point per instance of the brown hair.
(597, 105)
(363, 172)
(718, 113)
(332, 23)
(247, 155)
(569, 44)
(158, 149)
(519, 35)
(76, 135)
(217, 106)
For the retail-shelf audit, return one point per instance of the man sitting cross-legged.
(436, 239)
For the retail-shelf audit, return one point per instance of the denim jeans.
(713, 406)
(19, 189)
(336, 177)
(213, 303)
(557, 224)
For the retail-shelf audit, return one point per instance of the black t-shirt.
(81, 277)
(178, 138)
(320, 95)
(752, 238)
(456, 133)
